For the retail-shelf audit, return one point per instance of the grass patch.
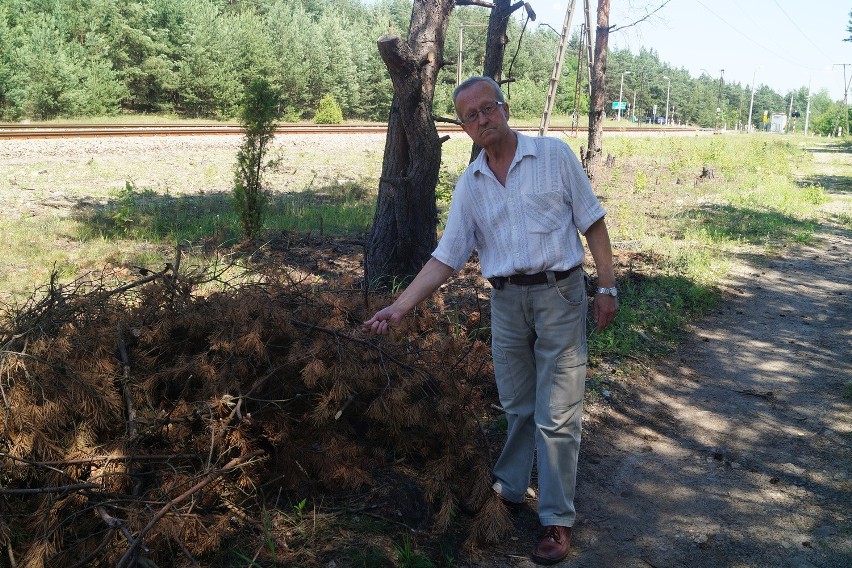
(723, 225)
(145, 215)
(652, 313)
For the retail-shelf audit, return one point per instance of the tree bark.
(597, 105)
(403, 234)
(496, 40)
(495, 46)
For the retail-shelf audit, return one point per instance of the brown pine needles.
(171, 416)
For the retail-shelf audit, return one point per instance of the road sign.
(616, 105)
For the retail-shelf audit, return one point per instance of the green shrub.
(328, 111)
(259, 117)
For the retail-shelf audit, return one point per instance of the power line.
(757, 25)
(795, 25)
(749, 38)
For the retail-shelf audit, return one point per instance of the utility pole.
(633, 109)
(808, 108)
(621, 93)
(845, 96)
(557, 70)
(590, 40)
(461, 40)
(575, 121)
(719, 102)
(751, 104)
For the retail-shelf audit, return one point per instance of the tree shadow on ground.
(146, 215)
(834, 148)
(831, 183)
(743, 224)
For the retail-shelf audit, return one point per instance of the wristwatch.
(608, 291)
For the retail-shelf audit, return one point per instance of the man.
(520, 204)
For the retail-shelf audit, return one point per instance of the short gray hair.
(498, 92)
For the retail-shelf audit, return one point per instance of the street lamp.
(751, 104)
(808, 109)
(668, 91)
(551, 27)
(621, 92)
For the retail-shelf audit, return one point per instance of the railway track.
(35, 131)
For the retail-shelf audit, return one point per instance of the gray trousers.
(540, 352)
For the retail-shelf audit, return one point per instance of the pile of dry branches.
(169, 418)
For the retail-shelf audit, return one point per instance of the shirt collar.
(526, 147)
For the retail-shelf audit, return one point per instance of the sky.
(784, 44)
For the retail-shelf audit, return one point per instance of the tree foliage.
(72, 58)
(849, 28)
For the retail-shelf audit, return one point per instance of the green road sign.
(616, 105)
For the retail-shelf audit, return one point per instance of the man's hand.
(606, 307)
(431, 276)
(380, 323)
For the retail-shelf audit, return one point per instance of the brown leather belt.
(498, 282)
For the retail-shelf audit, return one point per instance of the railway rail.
(34, 130)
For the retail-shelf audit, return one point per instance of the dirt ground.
(736, 450)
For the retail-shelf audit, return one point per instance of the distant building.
(778, 122)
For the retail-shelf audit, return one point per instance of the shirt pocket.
(545, 212)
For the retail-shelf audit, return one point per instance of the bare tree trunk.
(597, 106)
(496, 40)
(403, 234)
(495, 46)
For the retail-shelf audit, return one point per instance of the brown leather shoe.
(553, 546)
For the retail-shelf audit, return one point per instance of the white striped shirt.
(531, 224)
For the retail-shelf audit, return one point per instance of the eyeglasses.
(485, 111)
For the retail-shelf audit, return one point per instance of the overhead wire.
(752, 40)
(804, 35)
(757, 25)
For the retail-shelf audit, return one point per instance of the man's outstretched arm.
(431, 276)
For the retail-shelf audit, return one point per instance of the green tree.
(98, 90)
(45, 71)
(338, 71)
(258, 115)
(139, 44)
(293, 54)
(328, 111)
(246, 47)
(206, 88)
(7, 106)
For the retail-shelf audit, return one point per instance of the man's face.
(485, 129)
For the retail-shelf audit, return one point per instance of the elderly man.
(522, 205)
